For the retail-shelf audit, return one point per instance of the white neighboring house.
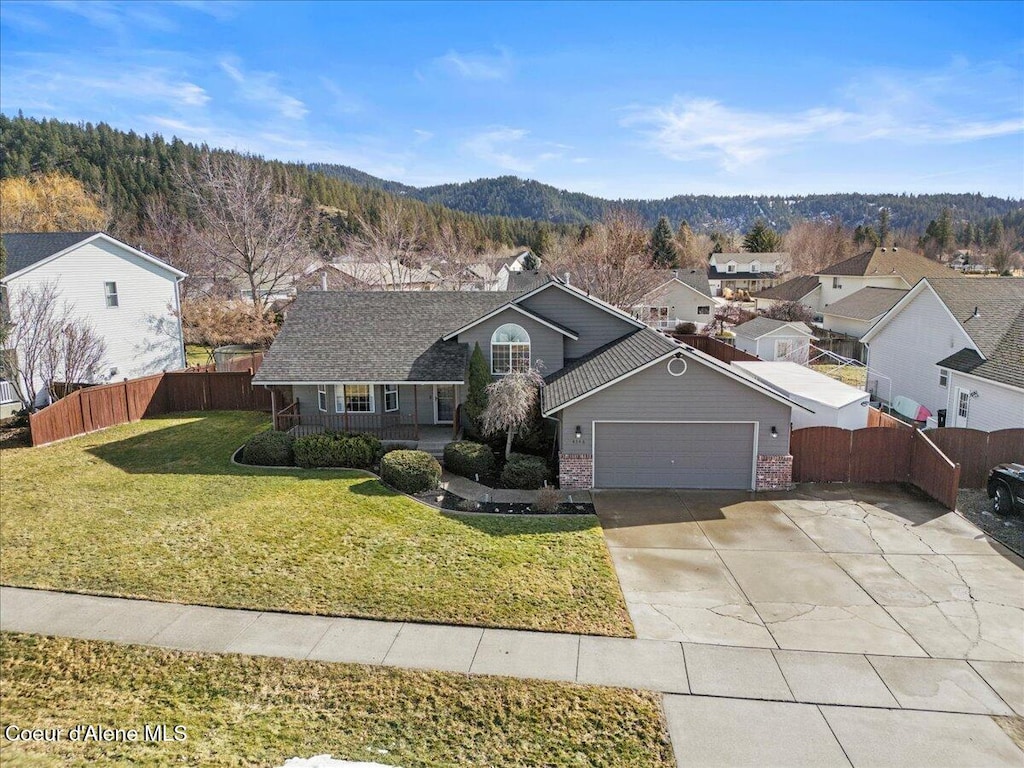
(130, 298)
(680, 296)
(855, 314)
(745, 271)
(954, 344)
(769, 339)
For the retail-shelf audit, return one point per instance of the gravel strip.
(976, 506)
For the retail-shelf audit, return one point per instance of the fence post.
(81, 408)
(127, 401)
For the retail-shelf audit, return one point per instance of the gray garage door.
(638, 455)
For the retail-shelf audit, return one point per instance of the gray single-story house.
(634, 409)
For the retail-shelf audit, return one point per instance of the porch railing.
(287, 417)
(386, 426)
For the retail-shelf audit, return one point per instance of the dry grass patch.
(155, 509)
(250, 711)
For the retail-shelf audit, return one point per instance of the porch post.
(416, 410)
(273, 408)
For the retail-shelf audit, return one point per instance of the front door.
(444, 403)
(963, 405)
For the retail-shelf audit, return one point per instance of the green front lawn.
(252, 711)
(155, 509)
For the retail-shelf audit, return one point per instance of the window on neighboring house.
(321, 398)
(110, 289)
(755, 267)
(835, 283)
(390, 398)
(657, 313)
(730, 268)
(943, 377)
(510, 349)
(353, 398)
(704, 310)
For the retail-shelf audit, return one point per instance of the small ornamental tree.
(789, 311)
(476, 396)
(510, 404)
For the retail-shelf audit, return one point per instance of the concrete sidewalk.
(939, 685)
(723, 705)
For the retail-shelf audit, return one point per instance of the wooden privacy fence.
(718, 349)
(834, 455)
(878, 419)
(86, 410)
(977, 452)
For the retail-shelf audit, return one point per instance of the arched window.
(510, 349)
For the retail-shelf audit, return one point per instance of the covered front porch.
(391, 412)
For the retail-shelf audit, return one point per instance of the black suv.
(1006, 486)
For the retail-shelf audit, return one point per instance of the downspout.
(181, 325)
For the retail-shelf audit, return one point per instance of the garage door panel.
(693, 455)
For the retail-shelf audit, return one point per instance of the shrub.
(525, 472)
(314, 451)
(548, 499)
(270, 449)
(685, 329)
(410, 471)
(469, 459)
(340, 449)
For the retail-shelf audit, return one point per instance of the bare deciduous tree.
(175, 239)
(260, 233)
(213, 322)
(510, 405)
(612, 263)
(387, 245)
(50, 343)
(452, 258)
(789, 311)
(814, 245)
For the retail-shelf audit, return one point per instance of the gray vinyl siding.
(595, 326)
(764, 347)
(701, 394)
(907, 349)
(545, 342)
(996, 407)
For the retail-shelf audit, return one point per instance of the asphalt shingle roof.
(374, 336)
(791, 290)
(866, 304)
(603, 365)
(695, 278)
(759, 326)
(888, 261)
(527, 281)
(998, 330)
(26, 248)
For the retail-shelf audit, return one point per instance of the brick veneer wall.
(574, 471)
(774, 472)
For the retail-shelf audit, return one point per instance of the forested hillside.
(127, 171)
(511, 196)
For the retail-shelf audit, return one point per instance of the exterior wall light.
(774, 433)
(579, 432)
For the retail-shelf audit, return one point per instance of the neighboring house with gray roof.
(954, 345)
(855, 314)
(769, 339)
(805, 289)
(632, 407)
(678, 296)
(129, 297)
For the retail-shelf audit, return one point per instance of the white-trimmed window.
(390, 398)
(510, 349)
(657, 314)
(353, 398)
(755, 266)
(321, 398)
(110, 291)
(836, 284)
(704, 309)
(730, 268)
(943, 377)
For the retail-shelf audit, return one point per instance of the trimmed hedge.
(337, 449)
(524, 472)
(469, 459)
(270, 449)
(410, 471)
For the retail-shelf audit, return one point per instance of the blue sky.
(618, 100)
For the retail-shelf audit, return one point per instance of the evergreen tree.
(943, 232)
(479, 378)
(663, 247)
(883, 226)
(762, 239)
(994, 233)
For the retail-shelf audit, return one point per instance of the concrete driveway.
(845, 568)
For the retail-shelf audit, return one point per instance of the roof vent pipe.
(976, 313)
(567, 278)
(323, 280)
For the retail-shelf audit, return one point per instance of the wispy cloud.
(883, 105)
(422, 137)
(511, 149)
(343, 102)
(477, 66)
(262, 88)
